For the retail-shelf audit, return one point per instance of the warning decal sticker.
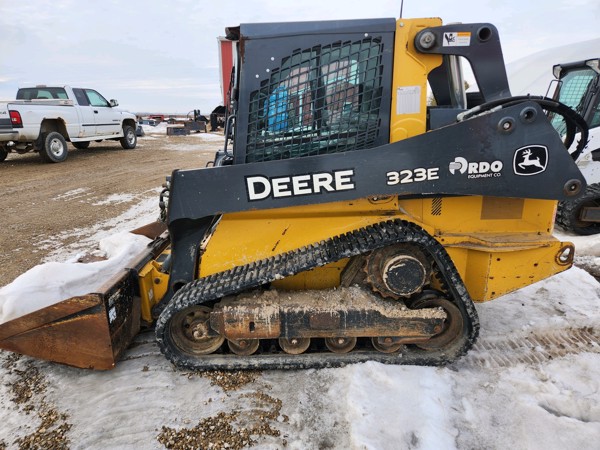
(457, 39)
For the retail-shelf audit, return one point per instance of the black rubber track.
(567, 214)
(242, 278)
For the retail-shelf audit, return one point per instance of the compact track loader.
(349, 221)
(578, 86)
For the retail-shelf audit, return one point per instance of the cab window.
(41, 94)
(96, 99)
(82, 99)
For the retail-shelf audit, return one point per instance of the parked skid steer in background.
(578, 86)
(349, 222)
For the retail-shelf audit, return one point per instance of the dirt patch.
(41, 201)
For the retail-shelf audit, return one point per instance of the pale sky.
(162, 55)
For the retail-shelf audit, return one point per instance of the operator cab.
(577, 86)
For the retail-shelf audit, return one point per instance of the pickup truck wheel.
(129, 139)
(3, 154)
(81, 145)
(54, 147)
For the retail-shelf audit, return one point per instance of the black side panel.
(486, 155)
(313, 88)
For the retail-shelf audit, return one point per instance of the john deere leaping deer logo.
(530, 160)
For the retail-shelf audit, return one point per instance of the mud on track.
(44, 205)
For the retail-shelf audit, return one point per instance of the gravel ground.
(43, 205)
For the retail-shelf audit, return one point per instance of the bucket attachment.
(151, 230)
(87, 331)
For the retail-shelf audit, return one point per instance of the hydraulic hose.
(573, 120)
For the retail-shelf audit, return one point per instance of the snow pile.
(587, 250)
(52, 282)
(562, 300)
(584, 245)
(159, 129)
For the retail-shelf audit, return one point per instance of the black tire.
(81, 145)
(54, 147)
(129, 139)
(3, 154)
(569, 212)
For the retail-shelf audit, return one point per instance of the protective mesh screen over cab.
(325, 99)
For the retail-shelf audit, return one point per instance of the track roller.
(243, 347)
(386, 344)
(294, 346)
(340, 344)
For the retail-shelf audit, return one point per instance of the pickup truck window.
(82, 99)
(95, 98)
(41, 93)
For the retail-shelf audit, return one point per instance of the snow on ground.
(587, 250)
(143, 212)
(161, 130)
(188, 147)
(532, 381)
(208, 136)
(153, 132)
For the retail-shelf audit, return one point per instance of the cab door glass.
(573, 90)
(96, 99)
(324, 99)
(82, 99)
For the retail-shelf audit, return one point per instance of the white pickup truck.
(44, 118)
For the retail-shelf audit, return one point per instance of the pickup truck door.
(107, 120)
(88, 120)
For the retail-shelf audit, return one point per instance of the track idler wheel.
(340, 344)
(294, 346)
(453, 324)
(243, 347)
(190, 331)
